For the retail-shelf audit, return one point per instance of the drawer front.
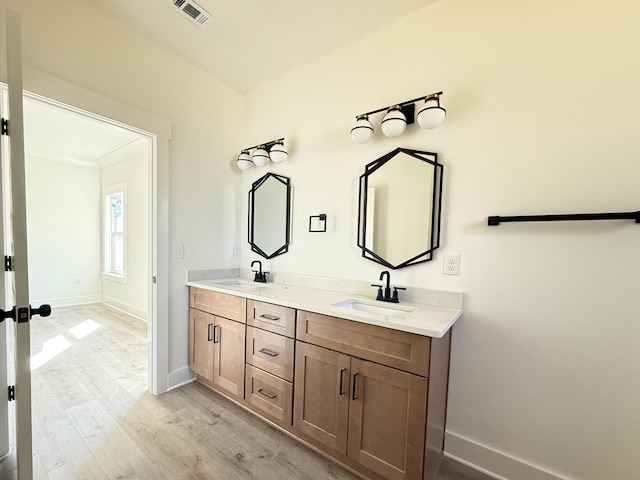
(274, 318)
(221, 304)
(270, 395)
(403, 350)
(270, 352)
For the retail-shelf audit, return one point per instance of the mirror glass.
(399, 215)
(269, 212)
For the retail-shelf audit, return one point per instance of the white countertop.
(423, 319)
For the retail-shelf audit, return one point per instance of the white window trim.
(110, 190)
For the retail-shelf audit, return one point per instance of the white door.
(19, 312)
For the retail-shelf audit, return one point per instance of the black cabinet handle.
(268, 395)
(353, 392)
(266, 351)
(215, 331)
(342, 370)
(269, 317)
(209, 332)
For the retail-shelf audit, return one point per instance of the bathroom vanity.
(360, 381)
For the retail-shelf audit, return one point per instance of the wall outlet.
(451, 265)
(178, 250)
(234, 252)
(77, 281)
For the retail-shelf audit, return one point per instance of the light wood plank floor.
(93, 418)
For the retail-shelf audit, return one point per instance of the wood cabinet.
(372, 414)
(217, 344)
(371, 398)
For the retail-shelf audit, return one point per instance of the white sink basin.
(244, 285)
(375, 307)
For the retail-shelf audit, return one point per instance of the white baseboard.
(180, 377)
(494, 463)
(124, 307)
(67, 301)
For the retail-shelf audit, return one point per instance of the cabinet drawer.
(273, 318)
(221, 304)
(403, 350)
(272, 396)
(270, 352)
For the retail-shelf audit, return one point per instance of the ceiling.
(53, 132)
(250, 42)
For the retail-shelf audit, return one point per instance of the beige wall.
(543, 103)
(63, 221)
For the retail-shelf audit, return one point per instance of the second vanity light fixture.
(430, 115)
(271, 151)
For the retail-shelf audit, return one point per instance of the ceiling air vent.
(192, 11)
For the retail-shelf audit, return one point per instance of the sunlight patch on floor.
(83, 329)
(50, 349)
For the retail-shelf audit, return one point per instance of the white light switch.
(178, 250)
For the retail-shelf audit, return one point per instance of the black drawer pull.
(269, 317)
(266, 351)
(268, 395)
(209, 332)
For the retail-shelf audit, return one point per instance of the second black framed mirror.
(399, 208)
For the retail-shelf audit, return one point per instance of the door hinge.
(8, 263)
(12, 392)
(5, 126)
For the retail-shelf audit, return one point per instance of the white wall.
(543, 105)
(63, 221)
(69, 40)
(132, 294)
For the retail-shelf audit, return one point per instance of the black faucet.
(260, 276)
(387, 296)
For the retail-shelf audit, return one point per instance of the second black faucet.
(387, 296)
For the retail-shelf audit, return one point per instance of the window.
(114, 238)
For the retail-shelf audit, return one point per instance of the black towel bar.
(497, 220)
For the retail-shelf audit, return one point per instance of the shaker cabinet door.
(387, 419)
(201, 343)
(321, 396)
(228, 372)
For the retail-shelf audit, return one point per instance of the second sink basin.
(240, 284)
(388, 310)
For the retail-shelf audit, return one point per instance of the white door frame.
(158, 137)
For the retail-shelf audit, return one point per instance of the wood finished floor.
(93, 418)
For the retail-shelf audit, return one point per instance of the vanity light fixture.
(273, 150)
(430, 115)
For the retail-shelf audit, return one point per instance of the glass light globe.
(244, 160)
(260, 157)
(432, 114)
(394, 122)
(362, 131)
(278, 153)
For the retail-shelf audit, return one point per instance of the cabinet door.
(228, 340)
(387, 419)
(201, 343)
(321, 395)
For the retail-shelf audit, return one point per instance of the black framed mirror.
(399, 208)
(269, 215)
